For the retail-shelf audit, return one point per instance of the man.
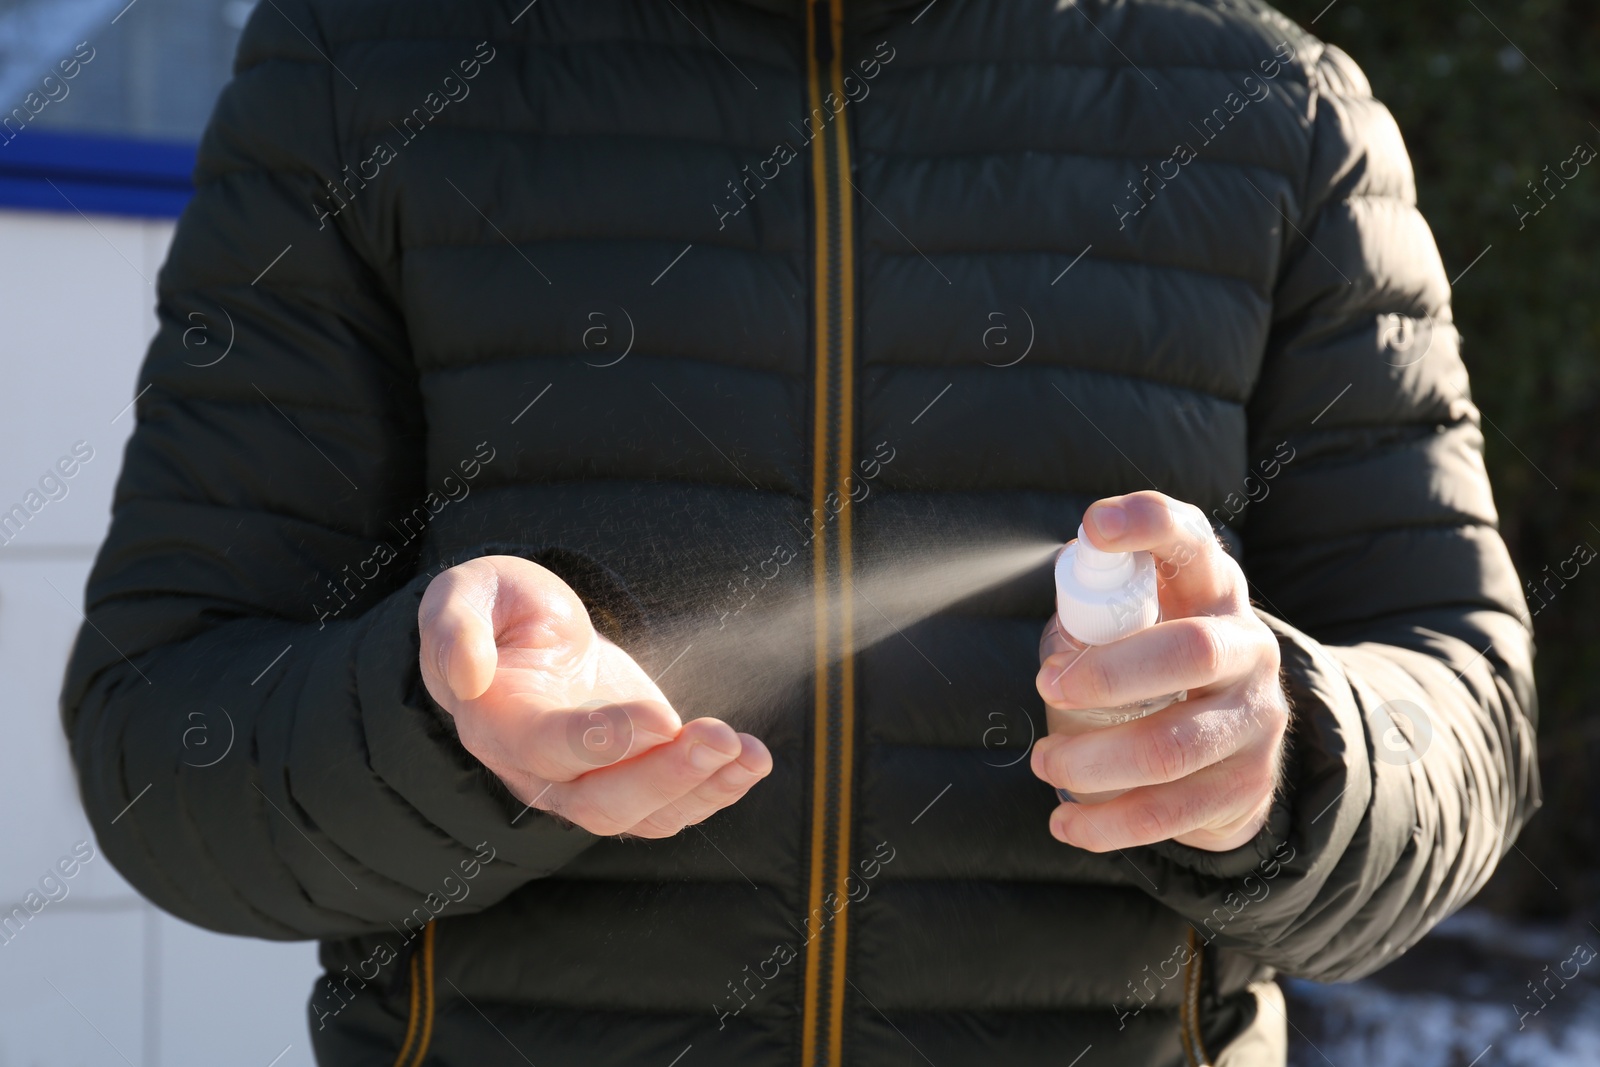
(589, 360)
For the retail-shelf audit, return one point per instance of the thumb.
(455, 622)
(1191, 564)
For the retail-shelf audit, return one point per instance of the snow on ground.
(1477, 992)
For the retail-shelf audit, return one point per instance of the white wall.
(100, 977)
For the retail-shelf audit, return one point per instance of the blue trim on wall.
(97, 175)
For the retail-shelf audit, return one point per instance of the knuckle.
(1146, 821)
(1232, 586)
(1162, 757)
(1266, 646)
(1202, 648)
(1186, 525)
(1149, 498)
(1275, 712)
(1192, 521)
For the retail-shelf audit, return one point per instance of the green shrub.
(1483, 117)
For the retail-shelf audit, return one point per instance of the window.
(103, 101)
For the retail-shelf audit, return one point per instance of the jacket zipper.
(419, 1020)
(833, 427)
(1194, 1049)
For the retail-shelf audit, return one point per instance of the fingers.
(719, 791)
(1195, 572)
(1189, 653)
(613, 799)
(1218, 808)
(1202, 772)
(1169, 746)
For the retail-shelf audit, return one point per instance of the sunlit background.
(1487, 95)
(89, 191)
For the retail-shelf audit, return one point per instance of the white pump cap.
(1104, 596)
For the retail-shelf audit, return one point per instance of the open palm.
(566, 719)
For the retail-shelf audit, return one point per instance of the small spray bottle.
(1102, 597)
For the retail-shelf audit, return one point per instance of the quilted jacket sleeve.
(1373, 553)
(248, 752)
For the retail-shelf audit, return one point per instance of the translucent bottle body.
(1082, 720)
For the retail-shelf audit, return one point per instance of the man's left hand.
(1202, 772)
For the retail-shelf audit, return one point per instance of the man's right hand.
(566, 719)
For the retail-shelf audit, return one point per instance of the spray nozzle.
(1104, 596)
(1097, 568)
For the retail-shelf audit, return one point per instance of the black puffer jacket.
(634, 289)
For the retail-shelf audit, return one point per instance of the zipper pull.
(822, 30)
